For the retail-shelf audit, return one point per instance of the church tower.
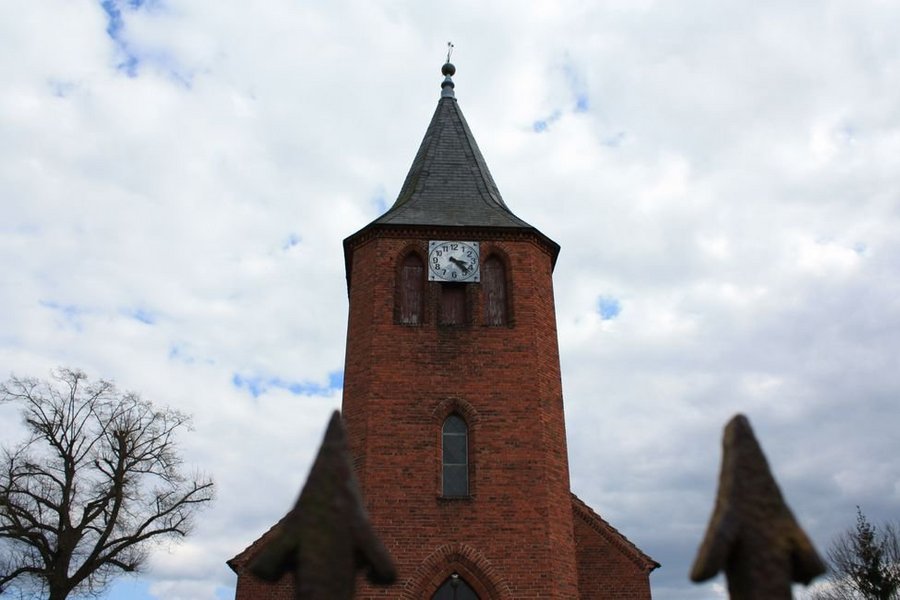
(452, 396)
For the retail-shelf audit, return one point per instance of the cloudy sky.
(176, 177)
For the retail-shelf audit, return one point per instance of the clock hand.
(459, 264)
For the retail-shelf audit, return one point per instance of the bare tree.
(96, 482)
(864, 564)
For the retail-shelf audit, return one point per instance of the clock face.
(453, 261)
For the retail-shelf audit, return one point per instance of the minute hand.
(460, 264)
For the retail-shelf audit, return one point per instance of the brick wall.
(250, 588)
(609, 566)
(514, 536)
(401, 382)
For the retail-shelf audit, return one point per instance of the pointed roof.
(449, 183)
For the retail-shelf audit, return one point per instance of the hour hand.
(459, 264)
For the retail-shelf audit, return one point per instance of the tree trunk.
(58, 593)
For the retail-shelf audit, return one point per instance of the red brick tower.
(453, 398)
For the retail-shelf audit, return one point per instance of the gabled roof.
(239, 561)
(598, 524)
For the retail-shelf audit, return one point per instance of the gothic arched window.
(493, 281)
(411, 292)
(455, 588)
(455, 457)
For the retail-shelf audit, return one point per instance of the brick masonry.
(520, 533)
(402, 381)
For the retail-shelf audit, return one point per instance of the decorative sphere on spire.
(447, 85)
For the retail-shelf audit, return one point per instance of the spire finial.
(448, 70)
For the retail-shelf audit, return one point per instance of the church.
(452, 398)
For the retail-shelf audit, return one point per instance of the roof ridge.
(602, 526)
(243, 557)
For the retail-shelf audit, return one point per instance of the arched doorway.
(455, 588)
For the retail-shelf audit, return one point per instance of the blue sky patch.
(114, 29)
(116, 24)
(184, 354)
(608, 307)
(128, 589)
(577, 90)
(582, 103)
(577, 87)
(541, 125)
(258, 385)
(70, 313)
(336, 380)
(116, 13)
(144, 316)
(68, 310)
(291, 241)
(179, 353)
(380, 202)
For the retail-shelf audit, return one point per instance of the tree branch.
(105, 482)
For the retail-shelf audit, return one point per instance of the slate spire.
(449, 183)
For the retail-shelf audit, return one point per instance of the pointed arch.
(454, 457)
(464, 560)
(448, 406)
(495, 286)
(455, 588)
(410, 294)
(441, 413)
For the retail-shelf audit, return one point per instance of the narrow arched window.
(412, 280)
(455, 588)
(455, 457)
(493, 281)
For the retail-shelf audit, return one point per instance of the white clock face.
(453, 261)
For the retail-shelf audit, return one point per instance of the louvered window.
(493, 282)
(453, 304)
(412, 279)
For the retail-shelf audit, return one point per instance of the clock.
(453, 261)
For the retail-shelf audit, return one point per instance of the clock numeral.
(453, 261)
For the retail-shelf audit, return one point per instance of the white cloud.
(732, 183)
